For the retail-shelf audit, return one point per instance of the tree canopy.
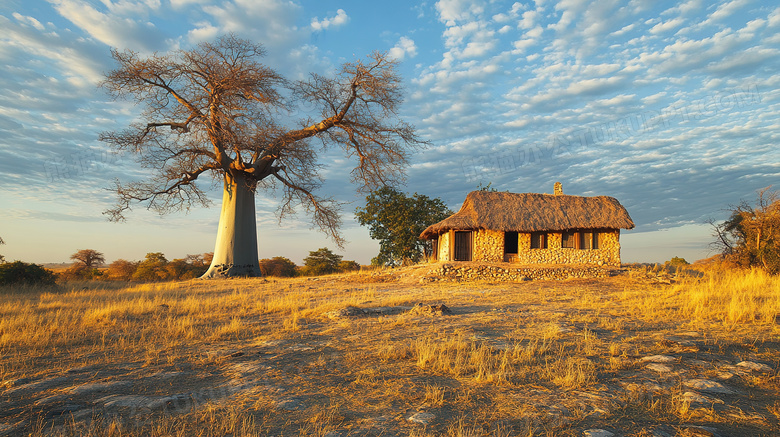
(321, 262)
(751, 234)
(89, 258)
(215, 110)
(278, 266)
(397, 220)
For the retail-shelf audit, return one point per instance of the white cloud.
(528, 21)
(340, 19)
(28, 20)
(404, 46)
(453, 11)
(667, 25)
(728, 9)
(112, 29)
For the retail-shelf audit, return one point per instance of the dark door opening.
(510, 242)
(462, 250)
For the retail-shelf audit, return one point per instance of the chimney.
(558, 189)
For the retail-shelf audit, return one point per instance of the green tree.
(2, 258)
(278, 266)
(153, 268)
(122, 269)
(677, 261)
(750, 237)
(212, 112)
(321, 262)
(21, 273)
(397, 220)
(348, 266)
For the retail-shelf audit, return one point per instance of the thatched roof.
(532, 212)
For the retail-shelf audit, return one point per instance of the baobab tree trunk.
(235, 253)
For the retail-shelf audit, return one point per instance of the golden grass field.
(262, 357)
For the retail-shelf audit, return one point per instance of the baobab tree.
(88, 258)
(213, 111)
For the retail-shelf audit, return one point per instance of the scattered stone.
(41, 385)
(166, 375)
(701, 430)
(85, 369)
(129, 401)
(100, 386)
(663, 431)
(430, 310)
(181, 402)
(756, 367)
(350, 311)
(52, 399)
(696, 398)
(289, 404)
(597, 433)
(18, 381)
(660, 368)
(658, 359)
(725, 376)
(423, 418)
(708, 386)
(63, 409)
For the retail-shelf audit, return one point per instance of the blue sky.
(671, 107)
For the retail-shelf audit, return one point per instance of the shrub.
(348, 266)
(321, 262)
(21, 273)
(278, 266)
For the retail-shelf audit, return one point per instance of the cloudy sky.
(673, 108)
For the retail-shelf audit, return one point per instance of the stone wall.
(608, 252)
(488, 246)
(444, 247)
(505, 272)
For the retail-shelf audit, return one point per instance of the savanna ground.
(268, 357)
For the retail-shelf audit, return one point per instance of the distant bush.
(21, 273)
(122, 269)
(677, 262)
(278, 266)
(348, 266)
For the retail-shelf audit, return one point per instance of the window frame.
(539, 237)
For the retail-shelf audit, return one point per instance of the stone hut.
(532, 228)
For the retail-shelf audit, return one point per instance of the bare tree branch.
(212, 110)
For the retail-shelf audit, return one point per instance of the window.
(538, 240)
(569, 240)
(589, 240)
(510, 242)
(580, 240)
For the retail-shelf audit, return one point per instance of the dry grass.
(514, 359)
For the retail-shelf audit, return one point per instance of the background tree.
(210, 111)
(397, 221)
(348, 266)
(90, 259)
(2, 258)
(153, 268)
(321, 262)
(278, 266)
(122, 269)
(21, 273)
(751, 234)
(87, 262)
